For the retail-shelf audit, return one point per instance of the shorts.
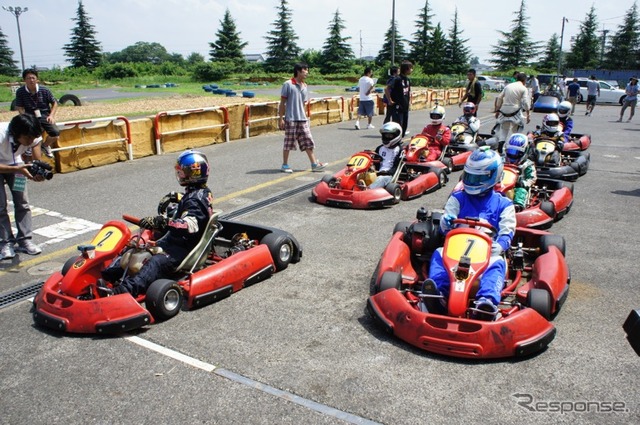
(591, 99)
(630, 103)
(297, 131)
(365, 108)
(51, 129)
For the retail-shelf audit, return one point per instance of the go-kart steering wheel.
(475, 222)
(374, 155)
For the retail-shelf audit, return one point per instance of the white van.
(608, 93)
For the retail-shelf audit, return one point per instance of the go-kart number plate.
(418, 142)
(359, 162)
(458, 128)
(545, 146)
(509, 177)
(107, 239)
(472, 246)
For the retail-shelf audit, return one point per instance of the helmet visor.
(435, 116)
(513, 155)
(476, 179)
(552, 123)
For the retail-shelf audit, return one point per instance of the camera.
(41, 168)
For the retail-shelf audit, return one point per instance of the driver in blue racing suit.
(482, 171)
(183, 229)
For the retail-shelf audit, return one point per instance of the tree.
(312, 57)
(515, 49)
(436, 52)
(8, 66)
(549, 60)
(83, 50)
(142, 51)
(624, 53)
(585, 48)
(457, 54)
(228, 45)
(337, 54)
(384, 55)
(194, 58)
(422, 37)
(282, 50)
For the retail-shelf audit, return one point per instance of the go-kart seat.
(198, 255)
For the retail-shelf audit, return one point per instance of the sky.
(187, 26)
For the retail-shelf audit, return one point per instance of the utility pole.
(360, 44)
(17, 11)
(393, 33)
(604, 41)
(561, 40)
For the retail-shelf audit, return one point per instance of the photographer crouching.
(20, 135)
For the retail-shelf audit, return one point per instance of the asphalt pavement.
(299, 347)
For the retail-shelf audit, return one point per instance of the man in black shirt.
(401, 96)
(474, 91)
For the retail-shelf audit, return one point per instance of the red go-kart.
(577, 142)
(536, 286)
(450, 159)
(349, 187)
(230, 256)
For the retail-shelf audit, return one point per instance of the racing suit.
(512, 101)
(526, 178)
(473, 125)
(183, 233)
(439, 136)
(567, 127)
(498, 211)
(387, 167)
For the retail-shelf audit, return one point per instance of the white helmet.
(550, 123)
(437, 115)
(482, 171)
(391, 134)
(564, 108)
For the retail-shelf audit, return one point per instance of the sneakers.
(485, 310)
(318, 166)
(357, 125)
(286, 169)
(620, 120)
(370, 126)
(586, 113)
(28, 247)
(7, 251)
(47, 151)
(433, 300)
(362, 185)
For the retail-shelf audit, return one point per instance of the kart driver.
(482, 171)
(472, 122)
(551, 130)
(389, 151)
(183, 230)
(517, 153)
(438, 134)
(564, 110)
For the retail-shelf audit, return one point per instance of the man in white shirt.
(366, 106)
(509, 108)
(593, 92)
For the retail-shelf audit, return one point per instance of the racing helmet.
(550, 123)
(482, 171)
(469, 108)
(391, 134)
(437, 115)
(564, 108)
(192, 168)
(517, 148)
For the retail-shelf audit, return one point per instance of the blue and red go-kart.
(536, 286)
(230, 256)
(349, 187)
(554, 164)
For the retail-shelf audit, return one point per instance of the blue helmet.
(517, 148)
(482, 171)
(192, 168)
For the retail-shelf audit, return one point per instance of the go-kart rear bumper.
(359, 199)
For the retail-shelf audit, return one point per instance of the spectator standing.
(562, 87)
(473, 92)
(534, 85)
(593, 92)
(631, 99)
(393, 73)
(293, 119)
(16, 137)
(401, 96)
(34, 99)
(573, 89)
(510, 105)
(365, 107)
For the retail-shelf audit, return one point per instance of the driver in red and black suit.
(183, 230)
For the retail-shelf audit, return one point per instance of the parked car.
(608, 93)
(490, 83)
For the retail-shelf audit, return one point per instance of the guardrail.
(328, 111)
(103, 142)
(247, 115)
(159, 133)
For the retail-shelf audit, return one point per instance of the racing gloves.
(158, 222)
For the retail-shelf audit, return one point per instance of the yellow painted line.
(72, 249)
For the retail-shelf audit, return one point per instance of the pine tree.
(515, 49)
(422, 36)
(283, 51)
(457, 54)
(624, 52)
(586, 47)
(384, 55)
(436, 51)
(83, 50)
(337, 54)
(549, 60)
(228, 45)
(8, 66)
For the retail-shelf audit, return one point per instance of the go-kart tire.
(540, 300)
(547, 241)
(281, 249)
(401, 226)
(70, 98)
(390, 280)
(442, 177)
(373, 289)
(568, 185)
(548, 208)
(164, 299)
(327, 178)
(67, 265)
(448, 162)
(395, 190)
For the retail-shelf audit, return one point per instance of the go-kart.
(349, 187)
(548, 102)
(536, 286)
(577, 142)
(450, 159)
(564, 165)
(230, 256)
